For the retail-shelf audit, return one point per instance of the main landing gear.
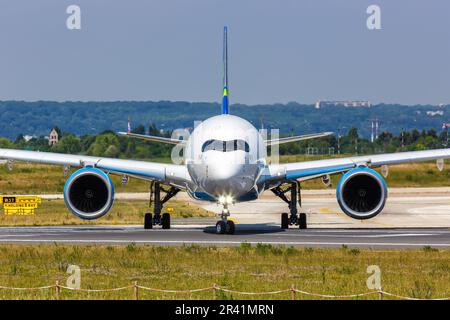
(157, 218)
(294, 218)
(225, 226)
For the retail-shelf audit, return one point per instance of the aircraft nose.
(223, 172)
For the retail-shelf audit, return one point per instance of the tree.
(153, 130)
(385, 137)
(68, 144)
(112, 151)
(415, 135)
(353, 134)
(432, 133)
(86, 141)
(140, 129)
(5, 143)
(19, 139)
(40, 144)
(130, 148)
(103, 144)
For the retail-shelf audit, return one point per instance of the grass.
(54, 212)
(415, 273)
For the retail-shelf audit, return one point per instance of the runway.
(413, 218)
(253, 234)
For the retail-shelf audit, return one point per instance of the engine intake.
(361, 193)
(89, 193)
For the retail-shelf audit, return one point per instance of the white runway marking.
(358, 236)
(397, 235)
(433, 210)
(29, 235)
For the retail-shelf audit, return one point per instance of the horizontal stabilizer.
(298, 138)
(151, 138)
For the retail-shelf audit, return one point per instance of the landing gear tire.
(230, 227)
(302, 221)
(284, 221)
(156, 218)
(221, 227)
(148, 221)
(165, 221)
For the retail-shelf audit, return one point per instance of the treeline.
(92, 118)
(353, 143)
(106, 144)
(109, 144)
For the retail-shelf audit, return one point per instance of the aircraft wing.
(176, 175)
(298, 138)
(313, 169)
(151, 138)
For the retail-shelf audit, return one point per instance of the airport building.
(346, 103)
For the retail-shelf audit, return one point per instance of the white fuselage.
(225, 156)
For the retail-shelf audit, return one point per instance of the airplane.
(225, 161)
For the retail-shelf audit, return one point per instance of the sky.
(279, 51)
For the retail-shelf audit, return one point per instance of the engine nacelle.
(89, 193)
(361, 193)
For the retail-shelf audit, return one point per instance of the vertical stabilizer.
(225, 73)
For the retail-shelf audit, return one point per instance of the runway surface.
(412, 218)
(200, 235)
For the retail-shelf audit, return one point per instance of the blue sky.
(280, 51)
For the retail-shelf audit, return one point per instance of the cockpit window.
(225, 146)
(214, 145)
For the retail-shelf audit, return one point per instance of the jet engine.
(89, 193)
(361, 193)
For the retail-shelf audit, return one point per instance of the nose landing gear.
(294, 218)
(225, 226)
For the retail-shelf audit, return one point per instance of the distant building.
(317, 106)
(28, 137)
(347, 103)
(435, 113)
(53, 137)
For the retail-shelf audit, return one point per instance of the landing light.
(226, 200)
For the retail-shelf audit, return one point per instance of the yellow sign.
(20, 205)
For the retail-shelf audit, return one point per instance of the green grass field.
(416, 273)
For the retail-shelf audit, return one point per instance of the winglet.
(225, 72)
